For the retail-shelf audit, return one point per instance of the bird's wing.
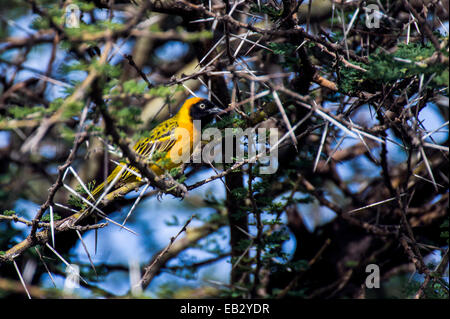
(161, 139)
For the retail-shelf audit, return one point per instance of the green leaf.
(46, 217)
(9, 213)
(134, 87)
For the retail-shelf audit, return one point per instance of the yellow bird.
(166, 136)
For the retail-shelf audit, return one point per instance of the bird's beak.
(215, 110)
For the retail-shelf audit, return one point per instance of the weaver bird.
(169, 139)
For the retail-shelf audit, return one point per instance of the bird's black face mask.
(204, 111)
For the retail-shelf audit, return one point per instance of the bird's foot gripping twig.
(175, 188)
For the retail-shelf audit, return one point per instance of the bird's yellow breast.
(185, 134)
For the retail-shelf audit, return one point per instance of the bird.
(166, 136)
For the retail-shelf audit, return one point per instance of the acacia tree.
(359, 98)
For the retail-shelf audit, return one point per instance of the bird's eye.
(202, 106)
